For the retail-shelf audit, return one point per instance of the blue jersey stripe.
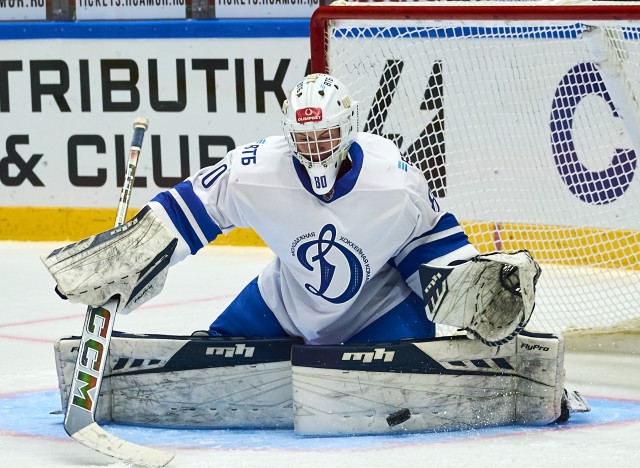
(179, 220)
(447, 221)
(428, 252)
(209, 228)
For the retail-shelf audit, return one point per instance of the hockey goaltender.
(337, 333)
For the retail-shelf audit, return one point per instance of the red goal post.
(525, 119)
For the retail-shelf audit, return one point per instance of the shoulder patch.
(249, 152)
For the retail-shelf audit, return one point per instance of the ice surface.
(32, 318)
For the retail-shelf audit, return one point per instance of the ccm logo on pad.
(309, 114)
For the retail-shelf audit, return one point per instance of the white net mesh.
(526, 131)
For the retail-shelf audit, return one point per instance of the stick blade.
(96, 438)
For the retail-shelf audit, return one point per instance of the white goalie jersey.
(339, 264)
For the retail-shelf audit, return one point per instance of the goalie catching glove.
(130, 262)
(492, 296)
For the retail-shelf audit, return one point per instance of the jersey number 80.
(321, 182)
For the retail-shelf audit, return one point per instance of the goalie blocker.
(129, 262)
(213, 382)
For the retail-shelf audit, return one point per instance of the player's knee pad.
(130, 261)
(440, 384)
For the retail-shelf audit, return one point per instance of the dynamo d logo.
(338, 270)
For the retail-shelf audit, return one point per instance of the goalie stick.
(79, 421)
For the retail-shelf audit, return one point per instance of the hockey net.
(525, 119)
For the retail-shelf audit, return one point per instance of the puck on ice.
(398, 417)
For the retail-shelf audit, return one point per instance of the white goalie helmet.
(320, 124)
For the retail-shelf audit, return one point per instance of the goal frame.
(481, 15)
(325, 14)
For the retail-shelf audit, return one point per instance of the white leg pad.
(446, 383)
(441, 384)
(201, 382)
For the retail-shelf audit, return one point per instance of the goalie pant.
(211, 382)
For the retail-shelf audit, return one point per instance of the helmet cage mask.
(320, 124)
